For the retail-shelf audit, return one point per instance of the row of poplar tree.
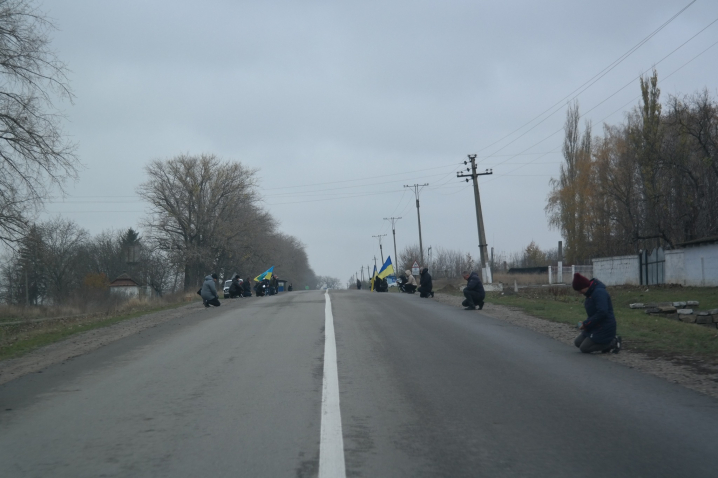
(650, 181)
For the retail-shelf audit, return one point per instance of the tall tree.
(569, 202)
(197, 208)
(34, 155)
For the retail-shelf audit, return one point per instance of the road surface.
(412, 388)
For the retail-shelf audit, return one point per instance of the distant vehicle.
(227, 283)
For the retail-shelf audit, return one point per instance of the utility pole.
(362, 273)
(477, 200)
(380, 249)
(393, 220)
(417, 190)
(375, 263)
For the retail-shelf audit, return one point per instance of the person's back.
(474, 292)
(425, 284)
(235, 288)
(209, 291)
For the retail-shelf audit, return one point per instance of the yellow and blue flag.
(265, 275)
(387, 269)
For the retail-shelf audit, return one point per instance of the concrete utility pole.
(417, 190)
(477, 200)
(380, 249)
(393, 220)
(375, 263)
(362, 273)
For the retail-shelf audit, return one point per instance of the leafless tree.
(35, 158)
(64, 241)
(199, 209)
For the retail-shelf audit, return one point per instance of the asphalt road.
(424, 390)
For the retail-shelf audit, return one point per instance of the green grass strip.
(641, 332)
(28, 341)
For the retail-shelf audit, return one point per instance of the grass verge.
(640, 331)
(18, 340)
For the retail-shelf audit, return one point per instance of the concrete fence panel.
(620, 270)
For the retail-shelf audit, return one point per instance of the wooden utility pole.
(393, 220)
(417, 190)
(477, 200)
(381, 251)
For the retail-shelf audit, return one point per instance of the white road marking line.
(331, 445)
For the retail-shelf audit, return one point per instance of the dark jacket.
(425, 280)
(600, 326)
(235, 288)
(473, 283)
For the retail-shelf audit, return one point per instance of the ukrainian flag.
(387, 269)
(265, 275)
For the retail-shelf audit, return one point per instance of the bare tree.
(34, 156)
(198, 208)
(64, 243)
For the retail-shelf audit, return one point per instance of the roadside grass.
(640, 331)
(17, 340)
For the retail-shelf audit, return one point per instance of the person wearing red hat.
(598, 331)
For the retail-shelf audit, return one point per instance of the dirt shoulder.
(85, 342)
(695, 374)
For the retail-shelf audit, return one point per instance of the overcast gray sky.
(340, 104)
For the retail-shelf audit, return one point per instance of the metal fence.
(652, 266)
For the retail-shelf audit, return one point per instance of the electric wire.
(596, 77)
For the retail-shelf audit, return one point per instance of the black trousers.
(214, 302)
(424, 291)
(587, 345)
(473, 298)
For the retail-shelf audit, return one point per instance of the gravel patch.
(689, 372)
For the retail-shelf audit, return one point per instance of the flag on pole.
(387, 269)
(265, 275)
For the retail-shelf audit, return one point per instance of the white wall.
(618, 270)
(674, 271)
(701, 265)
(125, 291)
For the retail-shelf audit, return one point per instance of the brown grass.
(25, 328)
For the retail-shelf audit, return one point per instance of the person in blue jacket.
(598, 331)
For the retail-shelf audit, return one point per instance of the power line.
(589, 82)
(616, 92)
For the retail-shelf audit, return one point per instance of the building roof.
(123, 280)
(698, 242)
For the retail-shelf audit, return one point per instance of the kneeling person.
(598, 331)
(209, 291)
(474, 291)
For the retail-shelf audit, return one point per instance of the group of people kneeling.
(598, 331)
(407, 283)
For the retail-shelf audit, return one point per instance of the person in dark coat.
(425, 284)
(474, 291)
(598, 331)
(273, 285)
(209, 291)
(235, 288)
(358, 284)
(246, 289)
